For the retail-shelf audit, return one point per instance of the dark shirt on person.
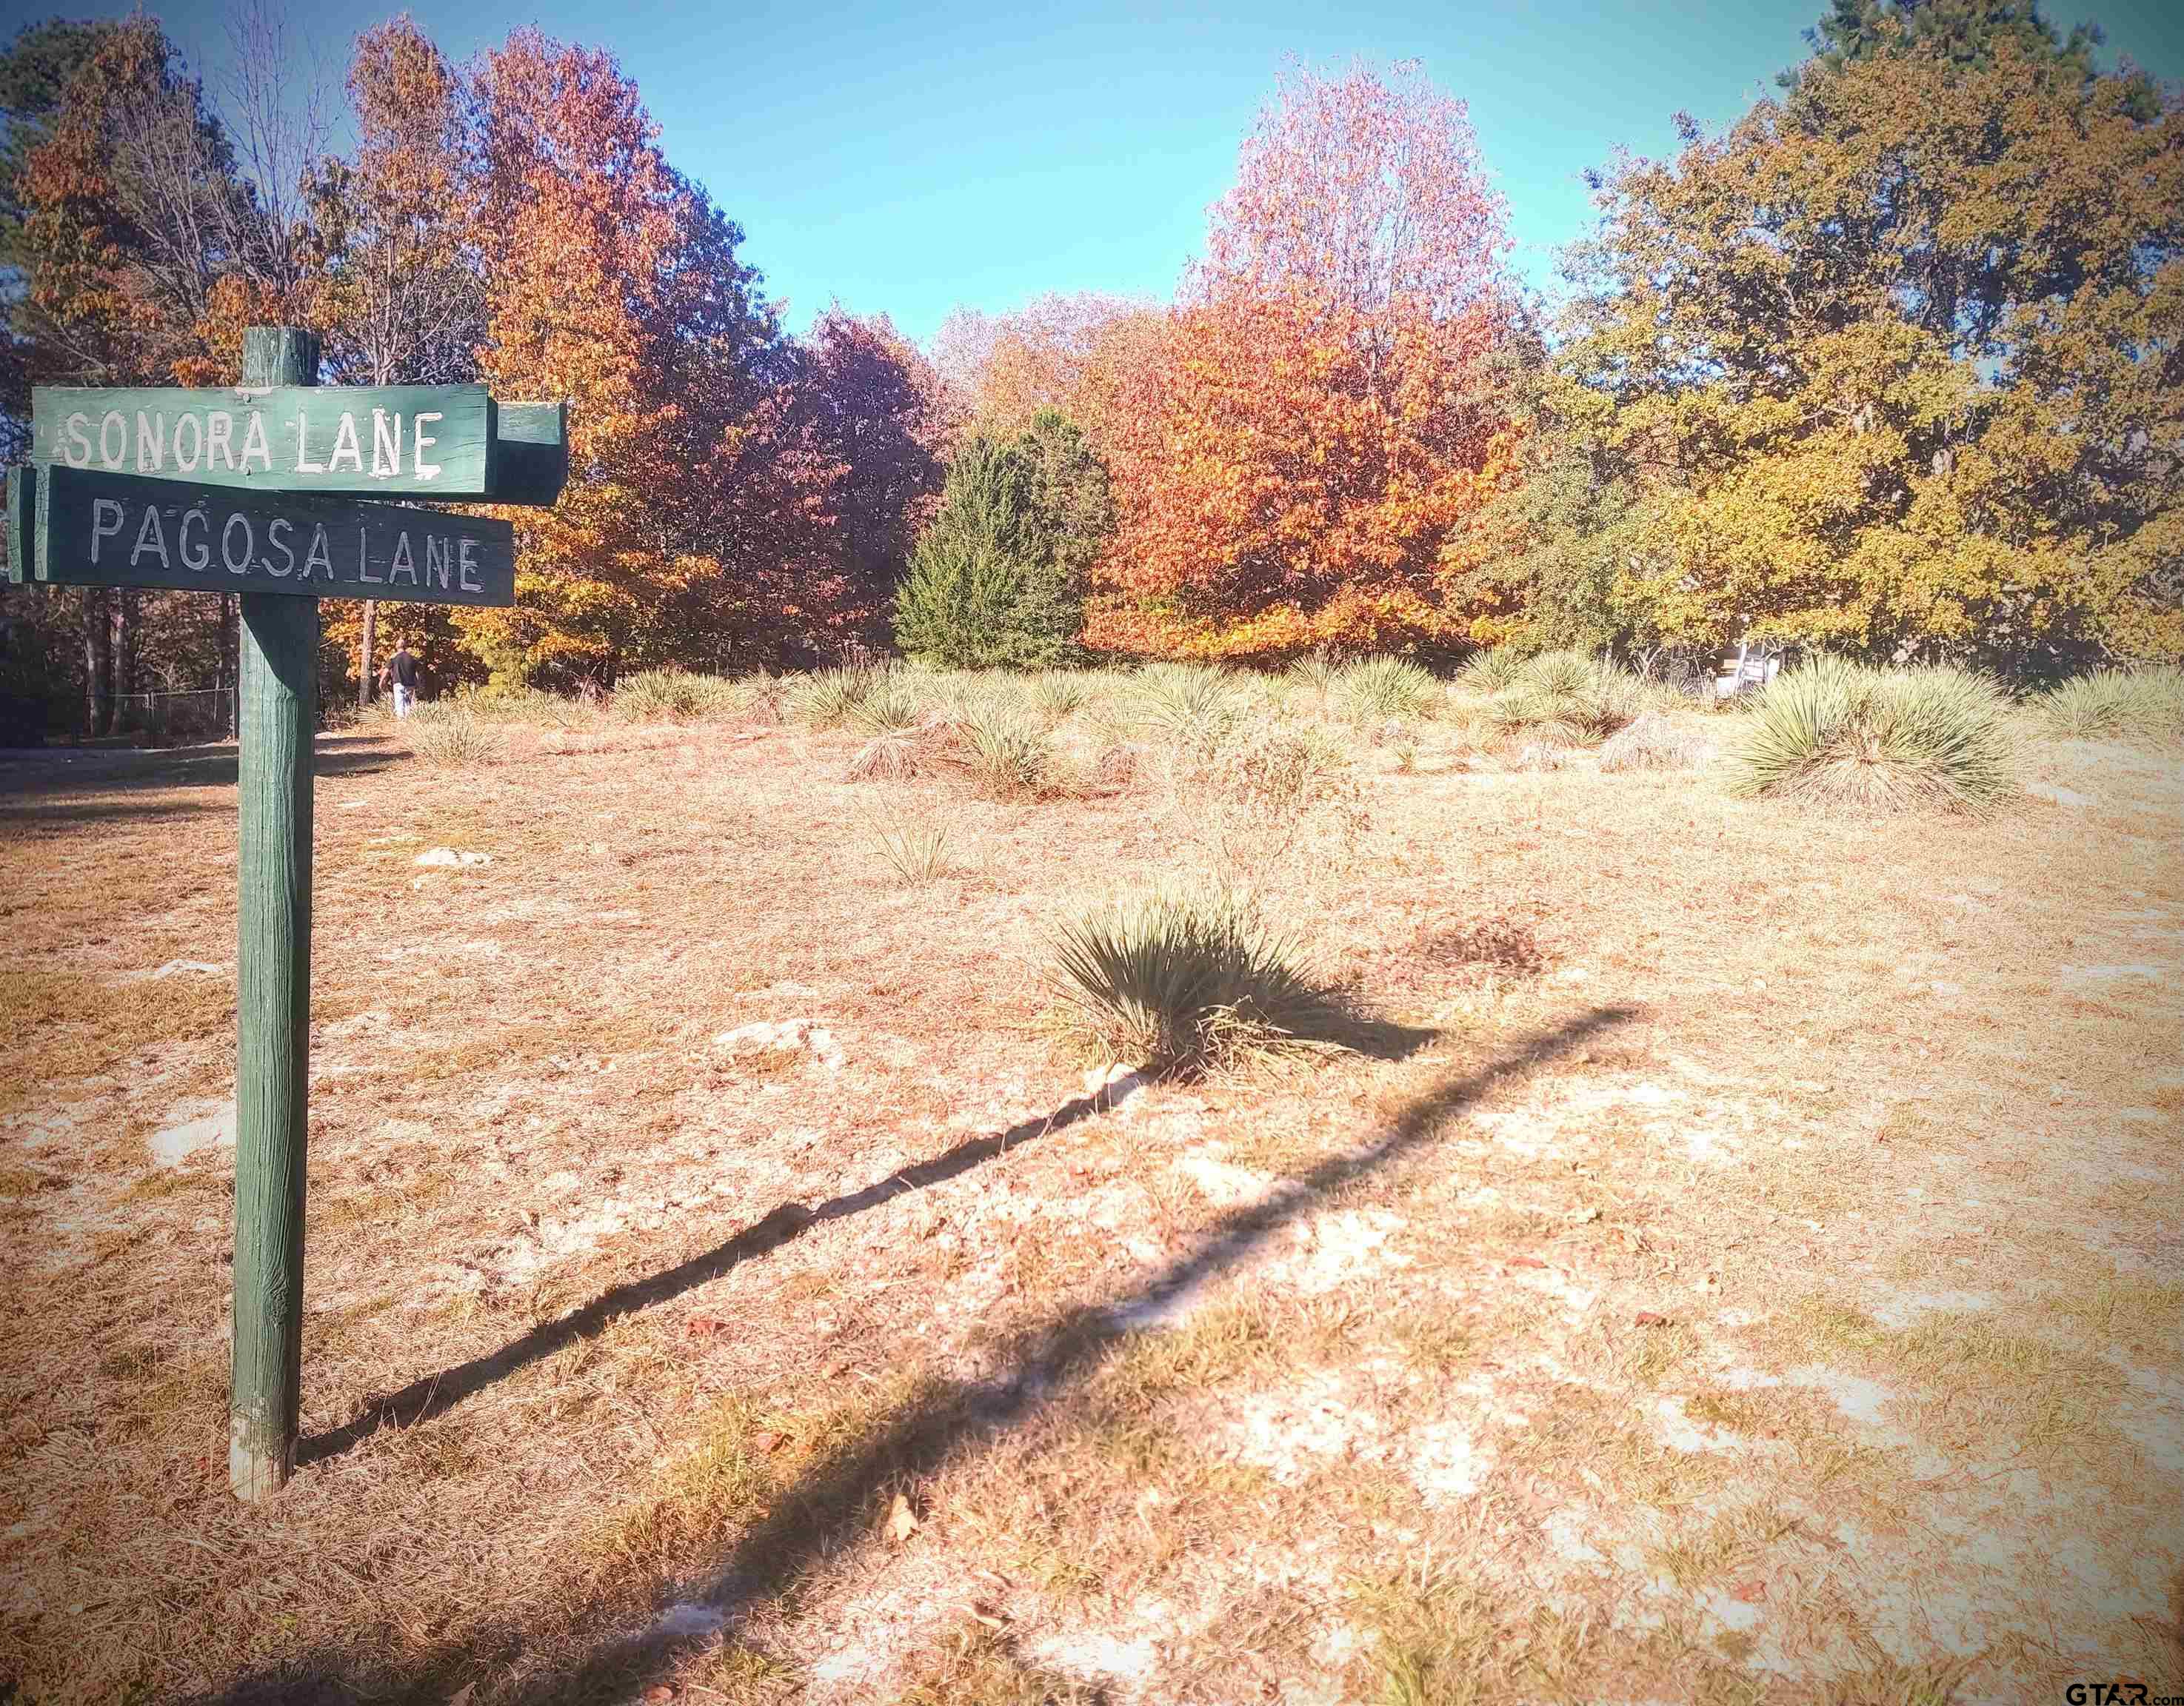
(404, 669)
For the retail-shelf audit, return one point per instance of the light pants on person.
(404, 699)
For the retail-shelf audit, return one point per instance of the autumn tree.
(1076, 354)
(1898, 361)
(696, 500)
(400, 298)
(876, 414)
(1303, 466)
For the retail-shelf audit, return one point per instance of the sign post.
(278, 723)
(253, 491)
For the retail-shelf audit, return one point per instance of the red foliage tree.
(1304, 460)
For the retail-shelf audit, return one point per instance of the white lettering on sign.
(404, 566)
(345, 444)
(237, 565)
(276, 536)
(219, 439)
(467, 559)
(101, 527)
(182, 541)
(151, 535)
(436, 562)
(304, 463)
(113, 437)
(151, 441)
(320, 555)
(78, 453)
(254, 443)
(385, 444)
(418, 438)
(188, 462)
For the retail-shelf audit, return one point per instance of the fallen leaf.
(1526, 1261)
(764, 1441)
(1750, 1592)
(660, 1691)
(902, 1521)
(1648, 1318)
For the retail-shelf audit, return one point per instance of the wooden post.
(277, 720)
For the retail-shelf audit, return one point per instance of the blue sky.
(909, 159)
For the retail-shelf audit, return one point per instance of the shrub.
(1563, 697)
(825, 697)
(2147, 702)
(1192, 704)
(450, 737)
(1490, 671)
(1376, 689)
(1170, 983)
(1893, 739)
(678, 696)
(1008, 758)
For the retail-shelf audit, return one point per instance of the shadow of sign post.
(266, 491)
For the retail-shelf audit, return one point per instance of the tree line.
(1891, 366)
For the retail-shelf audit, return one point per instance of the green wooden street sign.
(398, 435)
(420, 441)
(116, 530)
(255, 491)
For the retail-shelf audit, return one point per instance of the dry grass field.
(1737, 1256)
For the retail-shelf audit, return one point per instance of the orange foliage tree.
(696, 512)
(1301, 461)
(1076, 353)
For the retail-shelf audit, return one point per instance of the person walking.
(401, 676)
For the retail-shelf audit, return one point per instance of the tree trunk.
(128, 604)
(98, 660)
(227, 662)
(364, 661)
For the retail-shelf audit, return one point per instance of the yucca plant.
(1375, 689)
(917, 852)
(1057, 693)
(1172, 983)
(889, 705)
(825, 697)
(1008, 758)
(1190, 703)
(1490, 671)
(1884, 740)
(2147, 703)
(1315, 672)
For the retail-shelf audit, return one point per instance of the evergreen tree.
(997, 581)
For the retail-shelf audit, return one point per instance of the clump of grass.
(1316, 673)
(917, 852)
(1057, 693)
(1191, 704)
(677, 696)
(451, 738)
(1652, 743)
(1007, 757)
(889, 705)
(1174, 983)
(1882, 740)
(1373, 690)
(2148, 704)
(1490, 671)
(825, 699)
(1563, 697)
